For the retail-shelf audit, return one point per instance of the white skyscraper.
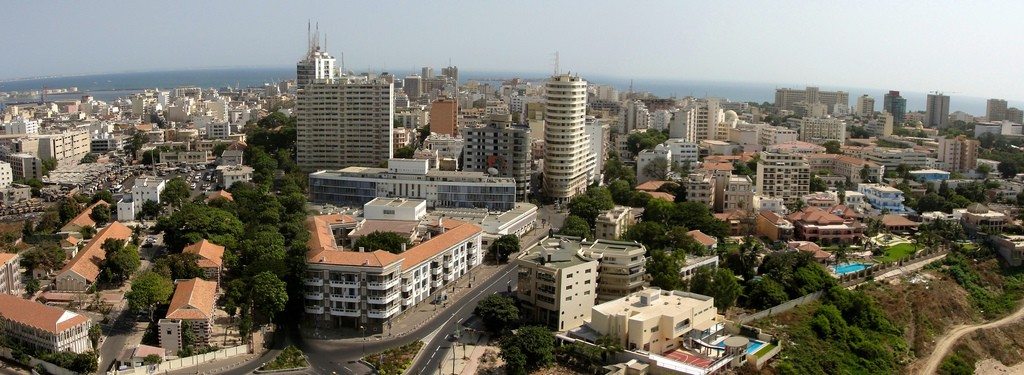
(317, 64)
(568, 148)
(865, 106)
(343, 122)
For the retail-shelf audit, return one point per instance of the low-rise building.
(693, 264)
(773, 226)
(210, 258)
(145, 189)
(84, 269)
(44, 328)
(229, 175)
(818, 225)
(1011, 247)
(612, 224)
(654, 320)
(884, 198)
(979, 219)
(192, 307)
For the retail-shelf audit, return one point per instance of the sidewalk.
(467, 359)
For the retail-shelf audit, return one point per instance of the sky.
(958, 47)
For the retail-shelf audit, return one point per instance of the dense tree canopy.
(388, 241)
(100, 214)
(528, 349)
(503, 246)
(498, 313)
(194, 222)
(575, 226)
(176, 191)
(149, 290)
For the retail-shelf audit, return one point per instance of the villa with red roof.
(82, 220)
(211, 258)
(815, 224)
(43, 327)
(369, 287)
(194, 301)
(84, 269)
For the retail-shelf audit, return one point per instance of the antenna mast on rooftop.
(557, 69)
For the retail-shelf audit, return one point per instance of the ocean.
(108, 87)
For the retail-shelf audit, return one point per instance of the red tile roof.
(704, 239)
(897, 221)
(815, 215)
(82, 219)
(660, 195)
(211, 255)
(193, 299)
(651, 186)
(87, 262)
(7, 257)
(34, 314)
(220, 194)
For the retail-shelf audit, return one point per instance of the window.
(654, 329)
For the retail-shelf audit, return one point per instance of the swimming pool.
(754, 346)
(843, 269)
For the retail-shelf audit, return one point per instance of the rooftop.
(661, 303)
(211, 255)
(87, 263)
(34, 314)
(193, 299)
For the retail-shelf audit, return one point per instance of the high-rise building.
(427, 72)
(865, 106)
(995, 110)
(680, 126)
(787, 99)
(820, 130)
(959, 154)
(452, 72)
(502, 146)
(786, 176)
(567, 153)
(315, 65)
(343, 122)
(895, 105)
(413, 86)
(708, 114)
(444, 116)
(1015, 115)
(635, 116)
(937, 111)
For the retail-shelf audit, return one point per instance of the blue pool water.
(754, 346)
(843, 269)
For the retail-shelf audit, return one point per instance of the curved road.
(947, 341)
(341, 357)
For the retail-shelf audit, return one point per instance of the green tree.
(46, 257)
(121, 261)
(720, 284)
(832, 147)
(587, 206)
(817, 184)
(179, 266)
(176, 192)
(528, 349)
(150, 157)
(135, 144)
(505, 245)
(765, 293)
(637, 142)
(152, 359)
(149, 290)
(657, 169)
(100, 214)
(575, 226)
(67, 209)
(268, 295)
(498, 313)
(103, 195)
(49, 164)
(405, 152)
(90, 158)
(87, 232)
(388, 241)
(150, 209)
(663, 268)
(194, 222)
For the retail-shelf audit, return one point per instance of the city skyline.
(678, 41)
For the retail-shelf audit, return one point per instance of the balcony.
(407, 286)
(383, 285)
(315, 309)
(345, 297)
(437, 283)
(383, 314)
(344, 312)
(448, 277)
(382, 299)
(408, 301)
(345, 283)
(435, 271)
(313, 281)
(315, 296)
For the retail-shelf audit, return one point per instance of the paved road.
(946, 342)
(116, 333)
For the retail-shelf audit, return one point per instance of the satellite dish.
(492, 171)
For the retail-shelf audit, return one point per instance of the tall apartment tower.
(427, 72)
(936, 113)
(781, 175)
(444, 116)
(995, 110)
(959, 154)
(865, 106)
(499, 146)
(452, 72)
(344, 121)
(413, 86)
(1015, 115)
(315, 65)
(706, 119)
(895, 105)
(567, 153)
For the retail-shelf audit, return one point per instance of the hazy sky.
(973, 48)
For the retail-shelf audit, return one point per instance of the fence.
(33, 362)
(858, 277)
(195, 360)
(781, 308)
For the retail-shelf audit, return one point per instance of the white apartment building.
(354, 288)
(681, 126)
(6, 175)
(772, 135)
(24, 165)
(787, 176)
(146, 188)
(660, 153)
(42, 327)
(683, 152)
(700, 187)
(413, 179)
(67, 148)
(612, 224)
(597, 134)
(567, 161)
(865, 106)
(635, 116)
(344, 121)
(706, 119)
(821, 130)
(893, 157)
(21, 126)
(660, 119)
(228, 175)
(10, 274)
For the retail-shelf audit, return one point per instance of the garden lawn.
(290, 358)
(395, 361)
(897, 252)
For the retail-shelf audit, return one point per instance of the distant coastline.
(109, 86)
